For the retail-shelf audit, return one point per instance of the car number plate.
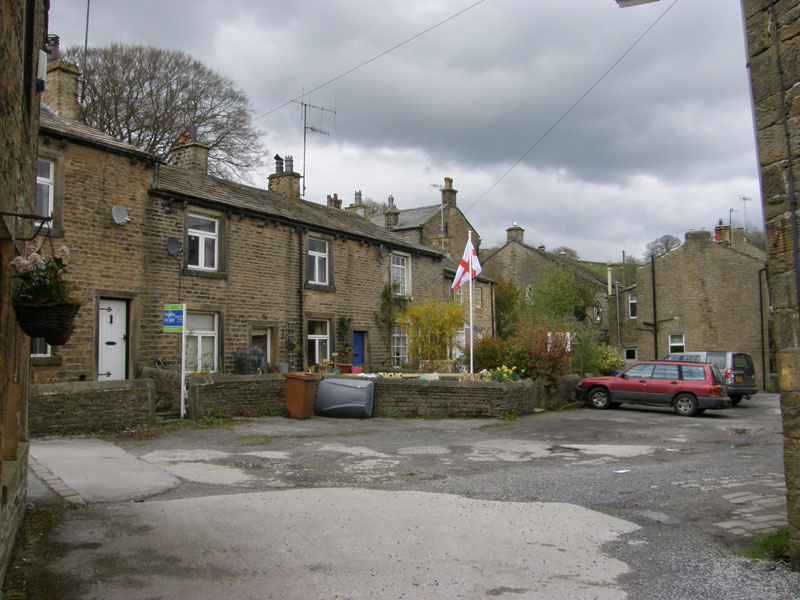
(738, 379)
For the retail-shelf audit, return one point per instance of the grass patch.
(564, 405)
(771, 546)
(510, 415)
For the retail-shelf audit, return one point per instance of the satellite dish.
(174, 247)
(120, 215)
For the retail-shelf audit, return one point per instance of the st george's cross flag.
(468, 268)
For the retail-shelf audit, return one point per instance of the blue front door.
(358, 348)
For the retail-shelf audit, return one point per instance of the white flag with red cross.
(468, 268)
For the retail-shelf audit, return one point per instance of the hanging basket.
(52, 321)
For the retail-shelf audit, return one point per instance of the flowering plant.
(42, 280)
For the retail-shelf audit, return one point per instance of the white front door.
(112, 339)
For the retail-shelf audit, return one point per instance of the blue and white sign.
(173, 318)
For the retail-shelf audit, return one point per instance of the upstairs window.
(45, 186)
(401, 274)
(631, 306)
(317, 261)
(203, 238)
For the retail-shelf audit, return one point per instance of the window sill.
(318, 287)
(43, 361)
(200, 273)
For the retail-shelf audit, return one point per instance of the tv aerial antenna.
(311, 128)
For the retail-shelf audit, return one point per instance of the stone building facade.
(442, 227)
(707, 295)
(773, 47)
(270, 281)
(526, 266)
(23, 31)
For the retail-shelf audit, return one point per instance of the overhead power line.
(571, 108)
(371, 60)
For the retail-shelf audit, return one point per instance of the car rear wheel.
(599, 398)
(735, 400)
(685, 405)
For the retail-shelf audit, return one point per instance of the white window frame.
(202, 238)
(675, 345)
(399, 346)
(49, 183)
(203, 362)
(317, 341)
(315, 259)
(632, 306)
(266, 333)
(401, 274)
(46, 354)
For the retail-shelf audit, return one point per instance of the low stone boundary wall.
(90, 406)
(236, 395)
(400, 397)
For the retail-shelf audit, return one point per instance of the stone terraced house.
(270, 280)
(709, 293)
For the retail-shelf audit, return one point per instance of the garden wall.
(236, 395)
(90, 406)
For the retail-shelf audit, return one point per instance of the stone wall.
(23, 30)
(410, 398)
(236, 395)
(91, 407)
(776, 111)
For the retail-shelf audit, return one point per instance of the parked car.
(688, 387)
(737, 368)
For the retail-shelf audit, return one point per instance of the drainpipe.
(491, 299)
(300, 335)
(761, 323)
(655, 316)
(619, 329)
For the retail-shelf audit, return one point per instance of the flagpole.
(471, 369)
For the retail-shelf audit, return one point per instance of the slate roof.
(179, 182)
(409, 218)
(574, 265)
(51, 123)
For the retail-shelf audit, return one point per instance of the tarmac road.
(629, 503)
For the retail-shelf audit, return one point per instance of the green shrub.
(490, 353)
(540, 352)
(606, 360)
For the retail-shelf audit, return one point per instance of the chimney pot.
(53, 48)
(289, 164)
(448, 193)
(357, 199)
(278, 164)
(391, 201)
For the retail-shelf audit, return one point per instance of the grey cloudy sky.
(661, 145)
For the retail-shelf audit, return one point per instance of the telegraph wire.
(571, 108)
(371, 60)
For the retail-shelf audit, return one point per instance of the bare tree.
(661, 246)
(150, 97)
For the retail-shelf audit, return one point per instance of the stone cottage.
(526, 266)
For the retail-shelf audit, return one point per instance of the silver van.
(736, 367)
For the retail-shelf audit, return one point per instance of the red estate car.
(689, 388)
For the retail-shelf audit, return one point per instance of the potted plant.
(42, 303)
(345, 352)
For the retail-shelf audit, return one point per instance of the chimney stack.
(61, 91)
(334, 201)
(285, 182)
(448, 193)
(357, 207)
(515, 233)
(391, 215)
(189, 153)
